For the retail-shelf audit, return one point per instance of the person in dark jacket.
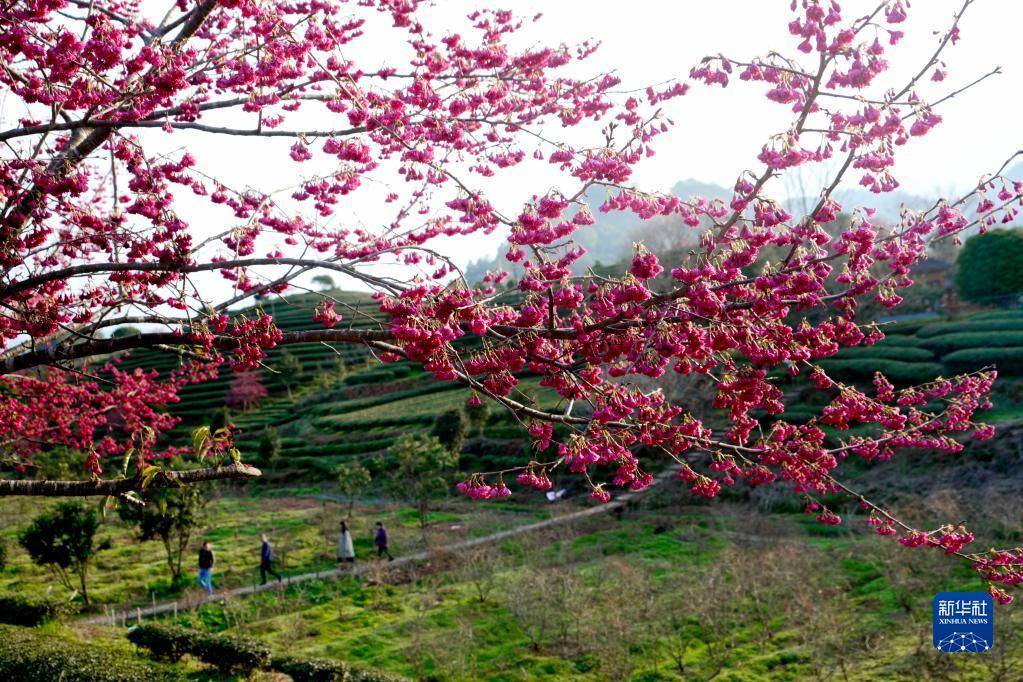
(266, 557)
(206, 568)
(381, 542)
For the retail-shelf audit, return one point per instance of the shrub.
(896, 371)
(907, 326)
(987, 267)
(370, 377)
(1007, 360)
(313, 669)
(451, 428)
(27, 655)
(231, 654)
(352, 447)
(323, 670)
(1000, 315)
(904, 353)
(269, 447)
(948, 343)
(30, 610)
(401, 371)
(327, 424)
(347, 406)
(898, 340)
(1002, 325)
(164, 642)
(509, 432)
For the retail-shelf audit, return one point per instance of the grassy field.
(668, 592)
(303, 531)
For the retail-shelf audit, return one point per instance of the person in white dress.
(345, 550)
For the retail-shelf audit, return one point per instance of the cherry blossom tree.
(109, 219)
(246, 390)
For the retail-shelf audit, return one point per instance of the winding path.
(124, 616)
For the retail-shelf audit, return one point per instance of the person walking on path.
(266, 557)
(206, 568)
(345, 548)
(381, 542)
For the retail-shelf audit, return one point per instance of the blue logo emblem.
(964, 622)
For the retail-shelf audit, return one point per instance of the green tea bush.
(897, 371)
(998, 325)
(948, 343)
(369, 378)
(230, 655)
(30, 610)
(27, 655)
(323, 670)
(1006, 360)
(352, 447)
(904, 353)
(350, 427)
(510, 432)
(346, 406)
(907, 326)
(243, 655)
(1000, 315)
(164, 642)
(898, 340)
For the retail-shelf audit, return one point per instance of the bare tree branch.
(163, 479)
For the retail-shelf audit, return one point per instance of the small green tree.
(988, 266)
(290, 369)
(124, 330)
(57, 463)
(450, 429)
(477, 412)
(352, 478)
(169, 515)
(325, 282)
(62, 540)
(270, 447)
(421, 470)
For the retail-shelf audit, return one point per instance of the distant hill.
(610, 239)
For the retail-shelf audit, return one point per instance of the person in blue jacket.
(381, 542)
(266, 557)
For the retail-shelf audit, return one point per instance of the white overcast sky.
(718, 133)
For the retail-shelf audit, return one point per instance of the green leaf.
(127, 458)
(148, 473)
(201, 441)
